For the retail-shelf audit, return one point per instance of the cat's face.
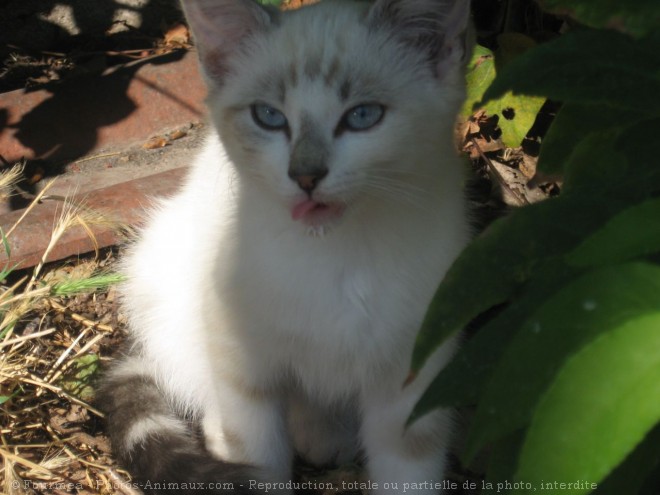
(332, 105)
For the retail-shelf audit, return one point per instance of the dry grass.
(56, 324)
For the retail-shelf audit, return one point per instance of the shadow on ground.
(87, 90)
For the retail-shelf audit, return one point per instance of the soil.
(55, 437)
(44, 42)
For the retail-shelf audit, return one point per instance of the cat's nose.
(308, 181)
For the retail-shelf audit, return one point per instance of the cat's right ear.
(440, 28)
(220, 26)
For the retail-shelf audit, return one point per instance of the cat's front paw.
(320, 445)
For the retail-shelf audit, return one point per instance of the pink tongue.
(302, 208)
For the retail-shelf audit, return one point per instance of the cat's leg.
(247, 425)
(323, 435)
(398, 458)
(411, 461)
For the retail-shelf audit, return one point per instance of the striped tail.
(161, 450)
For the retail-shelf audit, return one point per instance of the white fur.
(151, 425)
(239, 311)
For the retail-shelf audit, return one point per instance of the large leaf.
(600, 406)
(638, 17)
(596, 67)
(632, 233)
(595, 165)
(479, 75)
(570, 125)
(516, 247)
(491, 269)
(606, 172)
(651, 483)
(579, 313)
(636, 143)
(463, 380)
(516, 113)
(502, 467)
(617, 163)
(629, 477)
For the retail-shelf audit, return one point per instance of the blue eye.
(268, 118)
(362, 117)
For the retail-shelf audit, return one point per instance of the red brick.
(79, 116)
(124, 202)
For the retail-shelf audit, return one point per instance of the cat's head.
(337, 103)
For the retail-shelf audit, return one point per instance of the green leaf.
(493, 267)
(566, 322)
(516, 113)
(638, 17)
(5, 398)
(510, 46)
(599, 166)
(632, 233)
(599, 407)
(569, 127)
(463, 380)
(590, 67)
(636, 143)
(479, 75)
(630, 475)
(95, 282)
(616, 162)
(651, 483)
(502, 467)
(78, 381)
(7, 270)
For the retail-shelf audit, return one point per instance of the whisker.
(400, 185)
(395, 191)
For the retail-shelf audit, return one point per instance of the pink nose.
(308, 182)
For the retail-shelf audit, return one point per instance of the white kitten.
(275, 300)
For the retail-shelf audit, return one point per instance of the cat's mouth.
(315, 213)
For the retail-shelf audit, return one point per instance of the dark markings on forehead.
(312, 67)
(315, 67)
(293, 74)
(270, 85)
(345, 90)
(281, 90)
(330, 74)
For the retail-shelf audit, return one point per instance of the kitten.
(275, 300)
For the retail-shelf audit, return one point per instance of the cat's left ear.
(438, 27)
(220, 26)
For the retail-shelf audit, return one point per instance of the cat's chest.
(328, 319)
(308, 296)
(332, 310)
(332, 297)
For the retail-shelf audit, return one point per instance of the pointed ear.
(219, 26)
(438, 27)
